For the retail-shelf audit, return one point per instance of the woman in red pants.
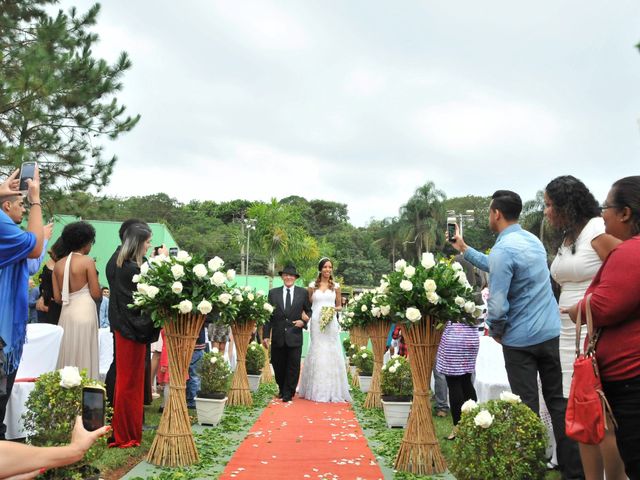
(133, 332)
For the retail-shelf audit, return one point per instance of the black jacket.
(131, 323)
(280, 325)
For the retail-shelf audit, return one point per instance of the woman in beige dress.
(75, 285)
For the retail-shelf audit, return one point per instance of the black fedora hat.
(289, 270)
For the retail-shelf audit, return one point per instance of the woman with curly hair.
(571, 208)
(76, 286)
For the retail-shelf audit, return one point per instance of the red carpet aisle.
(304, 439)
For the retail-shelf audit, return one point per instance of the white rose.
(204, 307)
(215, 263)
(250, 297)
(144, 268)
(260, 293)
(385, 309)
(225, 298)
(384, 367)
(178, 271)
(364, 308)
(477, 312)
(375, 311)
(462, 279)
(406, 285)
(200, 270)
(353, 356)
(135, 278)
(363, 348)
(214, 359)
(185, 306)
(183, 256)
(393, 369)
(218, 279)
(468, 406)
(400, 265)
(142, 288)
(70, 377)
(215, 350)
(138, 301)
(238, 298)
(268, 307)
(152, 291)
(456, 266)
(364, 355)
(510, 397)
(374, 299)
(176, 287)
(409, 271)
(231, 274)
(469, 307)
(460, 301)
(483, 419)
(433, 297)
(428, 260)
(351, 314)
(430, 285)
(384, 286)
(413, 314)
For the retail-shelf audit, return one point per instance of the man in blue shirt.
(104, 308)
(523, 316)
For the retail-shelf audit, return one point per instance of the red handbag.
(587, 407)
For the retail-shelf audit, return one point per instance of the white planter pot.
(210, 410)
(365, 383)
(254, 382)
(396, 413)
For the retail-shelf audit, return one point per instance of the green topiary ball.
(501, 440)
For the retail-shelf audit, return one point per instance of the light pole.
(249, 224)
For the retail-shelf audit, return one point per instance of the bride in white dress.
(324, 377)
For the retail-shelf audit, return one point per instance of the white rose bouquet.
(185, 283)
(436, 287)
(367, 307)
(249, 304)
(326, 315)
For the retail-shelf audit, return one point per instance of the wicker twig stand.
(419, 451)
(378, 332)
(239, 394)
(173, 445)
(267, 376)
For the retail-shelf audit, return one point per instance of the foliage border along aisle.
(252, 309)
(178, 292)
(424, 298)
(370, 310)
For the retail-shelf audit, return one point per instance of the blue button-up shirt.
(522, 309)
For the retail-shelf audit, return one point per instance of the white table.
(39, 355)
(105, 351)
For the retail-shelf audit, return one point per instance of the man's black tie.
(287, 302)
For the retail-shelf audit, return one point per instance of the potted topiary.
(500, 439)
(254, 363)
(397, 391)
(215, 378)
(363, 360)
(52, 408)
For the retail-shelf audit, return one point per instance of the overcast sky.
(361, 102)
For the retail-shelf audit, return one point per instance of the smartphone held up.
(451, 229)
(27, 171)
(93, 407)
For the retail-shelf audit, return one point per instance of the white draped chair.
(39, 355)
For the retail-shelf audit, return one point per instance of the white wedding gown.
(324, 376)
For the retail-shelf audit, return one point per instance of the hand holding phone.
(27, 172)
(451, 230)
(93, 407)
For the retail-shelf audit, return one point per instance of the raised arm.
(34, 223)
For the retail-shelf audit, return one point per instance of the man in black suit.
(291, 312)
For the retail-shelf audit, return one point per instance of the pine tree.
(57, 102)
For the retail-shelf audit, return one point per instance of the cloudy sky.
(361, 102)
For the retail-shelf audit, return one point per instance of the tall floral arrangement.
(186, 284)
(435, 288)
(367, 307)
(250, 305)
(424, 297)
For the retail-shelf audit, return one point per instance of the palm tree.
(422, 215)
(390, 237)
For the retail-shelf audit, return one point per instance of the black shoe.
(286, 399)
(161, 409)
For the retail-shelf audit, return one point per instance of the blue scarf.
(15, 246)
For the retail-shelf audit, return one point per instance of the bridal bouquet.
(326, 315)
(184, 283)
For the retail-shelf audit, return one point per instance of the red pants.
(129, 396)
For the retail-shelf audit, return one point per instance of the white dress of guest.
(324, 378)
(574, 272)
